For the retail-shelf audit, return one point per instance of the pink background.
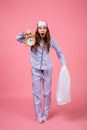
(68, 25)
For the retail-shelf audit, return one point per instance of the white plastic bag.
(63, 94)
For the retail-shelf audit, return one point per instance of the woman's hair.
(38, 39)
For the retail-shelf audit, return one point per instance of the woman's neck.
(42, 40)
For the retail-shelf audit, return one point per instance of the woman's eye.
(39, 27)
(44, 27)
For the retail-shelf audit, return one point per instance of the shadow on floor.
(70, 111)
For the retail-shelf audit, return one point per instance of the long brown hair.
(38, 39)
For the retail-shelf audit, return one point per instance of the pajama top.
(40, 58)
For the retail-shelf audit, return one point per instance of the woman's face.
(42, 30)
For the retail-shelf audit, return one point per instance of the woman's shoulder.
(52, 40)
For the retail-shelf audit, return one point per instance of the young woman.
(42, 67)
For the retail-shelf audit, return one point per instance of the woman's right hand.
(28, 33)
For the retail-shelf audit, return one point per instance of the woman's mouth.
(42, 34)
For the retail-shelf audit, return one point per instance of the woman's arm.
(21, 37)
(58, 51)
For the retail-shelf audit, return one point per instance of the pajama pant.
(42, 80)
